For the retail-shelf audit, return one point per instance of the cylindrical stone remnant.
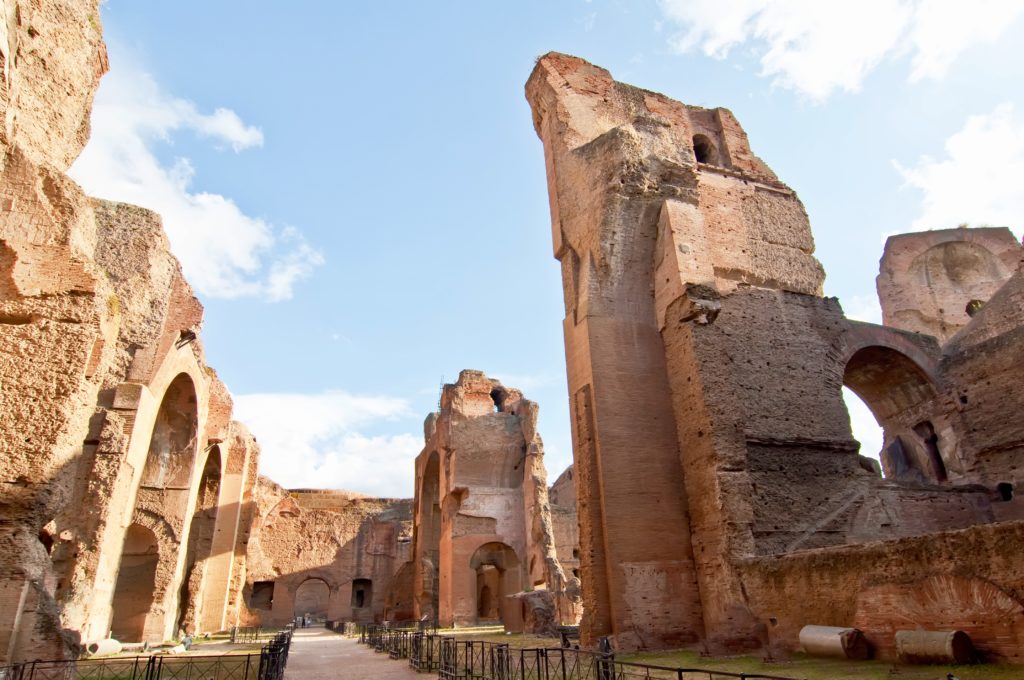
(933, 646)
(844, 643)
(103, 647)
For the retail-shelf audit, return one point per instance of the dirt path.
(318, 654)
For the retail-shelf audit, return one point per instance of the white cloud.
(223, 251)
(819, 47)
(313, 441)
(979, 180)
(863, 308)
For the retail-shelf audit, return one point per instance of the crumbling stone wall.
(928, 280)
(315, 551)
(705, 373)
(483, 530)
(99, 329)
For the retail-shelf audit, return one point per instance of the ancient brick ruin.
(717, 495)
(124, 477)
(705, 372)
(482, 501)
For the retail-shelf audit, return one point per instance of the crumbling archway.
(133, 592)
(200, 541)
(312, 597)
(172, 445)
(498, 574)
(428, 539)
(898, 391)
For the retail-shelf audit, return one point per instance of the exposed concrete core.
(705, 372)
(483, 531)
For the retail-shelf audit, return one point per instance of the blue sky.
(357, 194)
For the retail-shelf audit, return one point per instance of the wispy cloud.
(979, 179)
(863, 308)
(315, 441)
(224, 252)
(819, 47)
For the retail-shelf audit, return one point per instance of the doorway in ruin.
(136, 578)
(362, 593)
(312, 597)
(429, 537)
(893, 387)
(497, 573)
(200, 542)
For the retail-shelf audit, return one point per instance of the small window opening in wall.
(704, 150)
(496, 396)
(1005, 490)
(576, 573)
(575, 553)
(47, 540)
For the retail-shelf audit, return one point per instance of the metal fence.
(268, 664)
(455, 658)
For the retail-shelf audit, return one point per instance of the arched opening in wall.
(136, 578)
(429, 536)
(896, 390)
(362, 593)
(173, 444)
(312, 598)
(200, 542)
(704, 150)
(497, 572)
(866, 429)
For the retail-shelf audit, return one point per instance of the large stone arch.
(428, 539)
(896, 378)
(312, 597)
(200, 540)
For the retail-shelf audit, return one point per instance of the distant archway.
(312, 597)
(133, 592)
(498, 575)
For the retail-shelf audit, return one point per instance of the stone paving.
(319, 654)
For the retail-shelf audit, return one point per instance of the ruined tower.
(720, 493)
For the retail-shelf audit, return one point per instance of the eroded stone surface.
(711, 442)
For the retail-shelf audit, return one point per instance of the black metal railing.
(456, 658)
(268, 664)
(425, 652)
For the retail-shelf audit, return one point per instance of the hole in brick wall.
(704, 150)
(47, 540)
(926, 432)
(262, 595)
(576, 573)
(1005, 490)
(497, 396)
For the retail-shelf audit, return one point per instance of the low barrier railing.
(268, 664)
(456, 658)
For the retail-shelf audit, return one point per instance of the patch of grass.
(813, 668)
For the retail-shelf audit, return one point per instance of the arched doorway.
(898, 391)
(200, 542)
(164, 490)
(133, 592)
(429, 538)
(498, 575)
(312, 598)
